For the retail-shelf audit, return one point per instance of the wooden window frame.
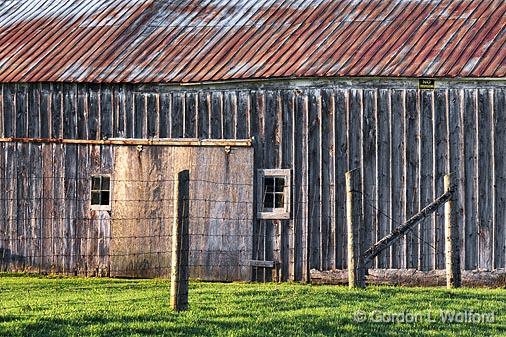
(101, 207)
(275, 213)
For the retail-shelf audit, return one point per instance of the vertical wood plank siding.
(403, 139)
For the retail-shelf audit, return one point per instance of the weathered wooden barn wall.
(47, 225)
(404, 140)
(46, 221)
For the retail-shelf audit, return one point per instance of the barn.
(268, 104)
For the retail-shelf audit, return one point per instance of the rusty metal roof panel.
(180, 41)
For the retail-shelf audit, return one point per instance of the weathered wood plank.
(204, 107)
(82, 205)
(165, 114)
(47, 207)
(327, 234)
(28, 230)
(94, 112)
(45, 110)
(69, 215)
(341, 163)
(287, 123)
(9, 110)
(21, 204)
(500, 178)
(268, 109)
(93, 261)
(106, 112)
(152, 115)
(383, 214)
(11, 157)
(299, 190)
(441, 164)
(140, 115)
(229, 114)
(118, 112)
(369, 149)
(34, 121)
(456, 161)
(129, 111)
(190, 115)
(177, 116)
(354, 133)
(256, 125)
(243, 115)
(59, 233)
(82, 113)
(313, 188)
(413, 277)
(216, 115)
(397, 172)
(4, 225)
(21, 110)
(281, 230)
(305, 194)
(485, 180)
(426, 184)
(106, 168)
(263, 264)
(4, 235)
(412, 171)
(470, 154)
(69, 111)
(2, 112)
(34, 211)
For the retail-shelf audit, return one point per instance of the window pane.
(106, 183)
(269, 184)
(268, 200)
(104, 198)
(95, 183)
(280, 184)
(279, 201)
(95, 198)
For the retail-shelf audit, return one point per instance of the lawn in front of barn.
(71, 306)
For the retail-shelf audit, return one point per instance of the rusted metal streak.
(121, 141)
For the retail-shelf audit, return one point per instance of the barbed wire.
(410, 230)
(20, 222)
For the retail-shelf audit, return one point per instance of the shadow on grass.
(174, 325)
(251, 310)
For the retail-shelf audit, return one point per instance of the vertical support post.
(354, 222)
(180, 242)
(452, 241)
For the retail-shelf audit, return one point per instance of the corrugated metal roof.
(202, 40)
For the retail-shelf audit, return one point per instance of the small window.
(101, 192)
(274, 194)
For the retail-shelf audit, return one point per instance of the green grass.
(42, 306)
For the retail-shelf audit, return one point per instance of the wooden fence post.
(180, 242)
(452, 241)
(354, 222)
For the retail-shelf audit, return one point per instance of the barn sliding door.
(221, 210)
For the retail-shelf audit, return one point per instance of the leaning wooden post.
(452, 242)
(180, 243)
(356, 267)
